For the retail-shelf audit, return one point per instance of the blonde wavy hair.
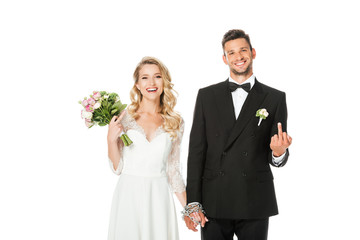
(172, 119)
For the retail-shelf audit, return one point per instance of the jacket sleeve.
(280, 116)
(197, 153)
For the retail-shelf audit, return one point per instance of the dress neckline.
(157, 131)
(131, 123)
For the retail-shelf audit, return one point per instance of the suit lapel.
(251, 105)
(225, 106)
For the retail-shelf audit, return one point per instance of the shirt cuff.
(278, 160)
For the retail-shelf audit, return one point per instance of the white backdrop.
(55, 181)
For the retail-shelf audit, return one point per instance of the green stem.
(126, 140)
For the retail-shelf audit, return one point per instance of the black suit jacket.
(228, 162)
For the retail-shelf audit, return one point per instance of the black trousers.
(224, 229)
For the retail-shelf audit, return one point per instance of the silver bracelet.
(191, 208)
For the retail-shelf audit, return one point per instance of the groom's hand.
(198, 217)
(280, 142)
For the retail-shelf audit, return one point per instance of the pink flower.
(91, 101)
(89, 108)
(84, 103)
(96, 95)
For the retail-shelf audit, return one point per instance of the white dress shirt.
(239, 97)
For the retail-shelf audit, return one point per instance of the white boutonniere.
(262, 114)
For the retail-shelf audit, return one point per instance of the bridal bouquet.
(99, 109)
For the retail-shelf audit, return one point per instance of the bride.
(142, 206)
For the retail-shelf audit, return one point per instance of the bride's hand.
(115, 128)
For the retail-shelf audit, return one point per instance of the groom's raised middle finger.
(280, 131)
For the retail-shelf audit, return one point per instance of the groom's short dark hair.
(235, 34)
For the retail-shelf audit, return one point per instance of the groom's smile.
(240, 64)
(238, 56)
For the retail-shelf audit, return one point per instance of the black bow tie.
(233, 86)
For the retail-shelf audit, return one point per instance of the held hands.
(193, 215)
(197, 218)
(280, 142)
(115, 128)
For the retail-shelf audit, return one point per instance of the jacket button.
(221, 173)
(244, 174)
(245, 153)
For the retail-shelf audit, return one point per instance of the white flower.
(97, 105)
(262, 114)
(86, 115)
(106, 96)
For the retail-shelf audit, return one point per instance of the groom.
(239, 128)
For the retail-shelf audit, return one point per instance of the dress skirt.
(142, 209)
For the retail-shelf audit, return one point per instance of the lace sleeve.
(173, 168)
(126, 123)
(118, 170)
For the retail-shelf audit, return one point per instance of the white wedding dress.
(143, 206)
